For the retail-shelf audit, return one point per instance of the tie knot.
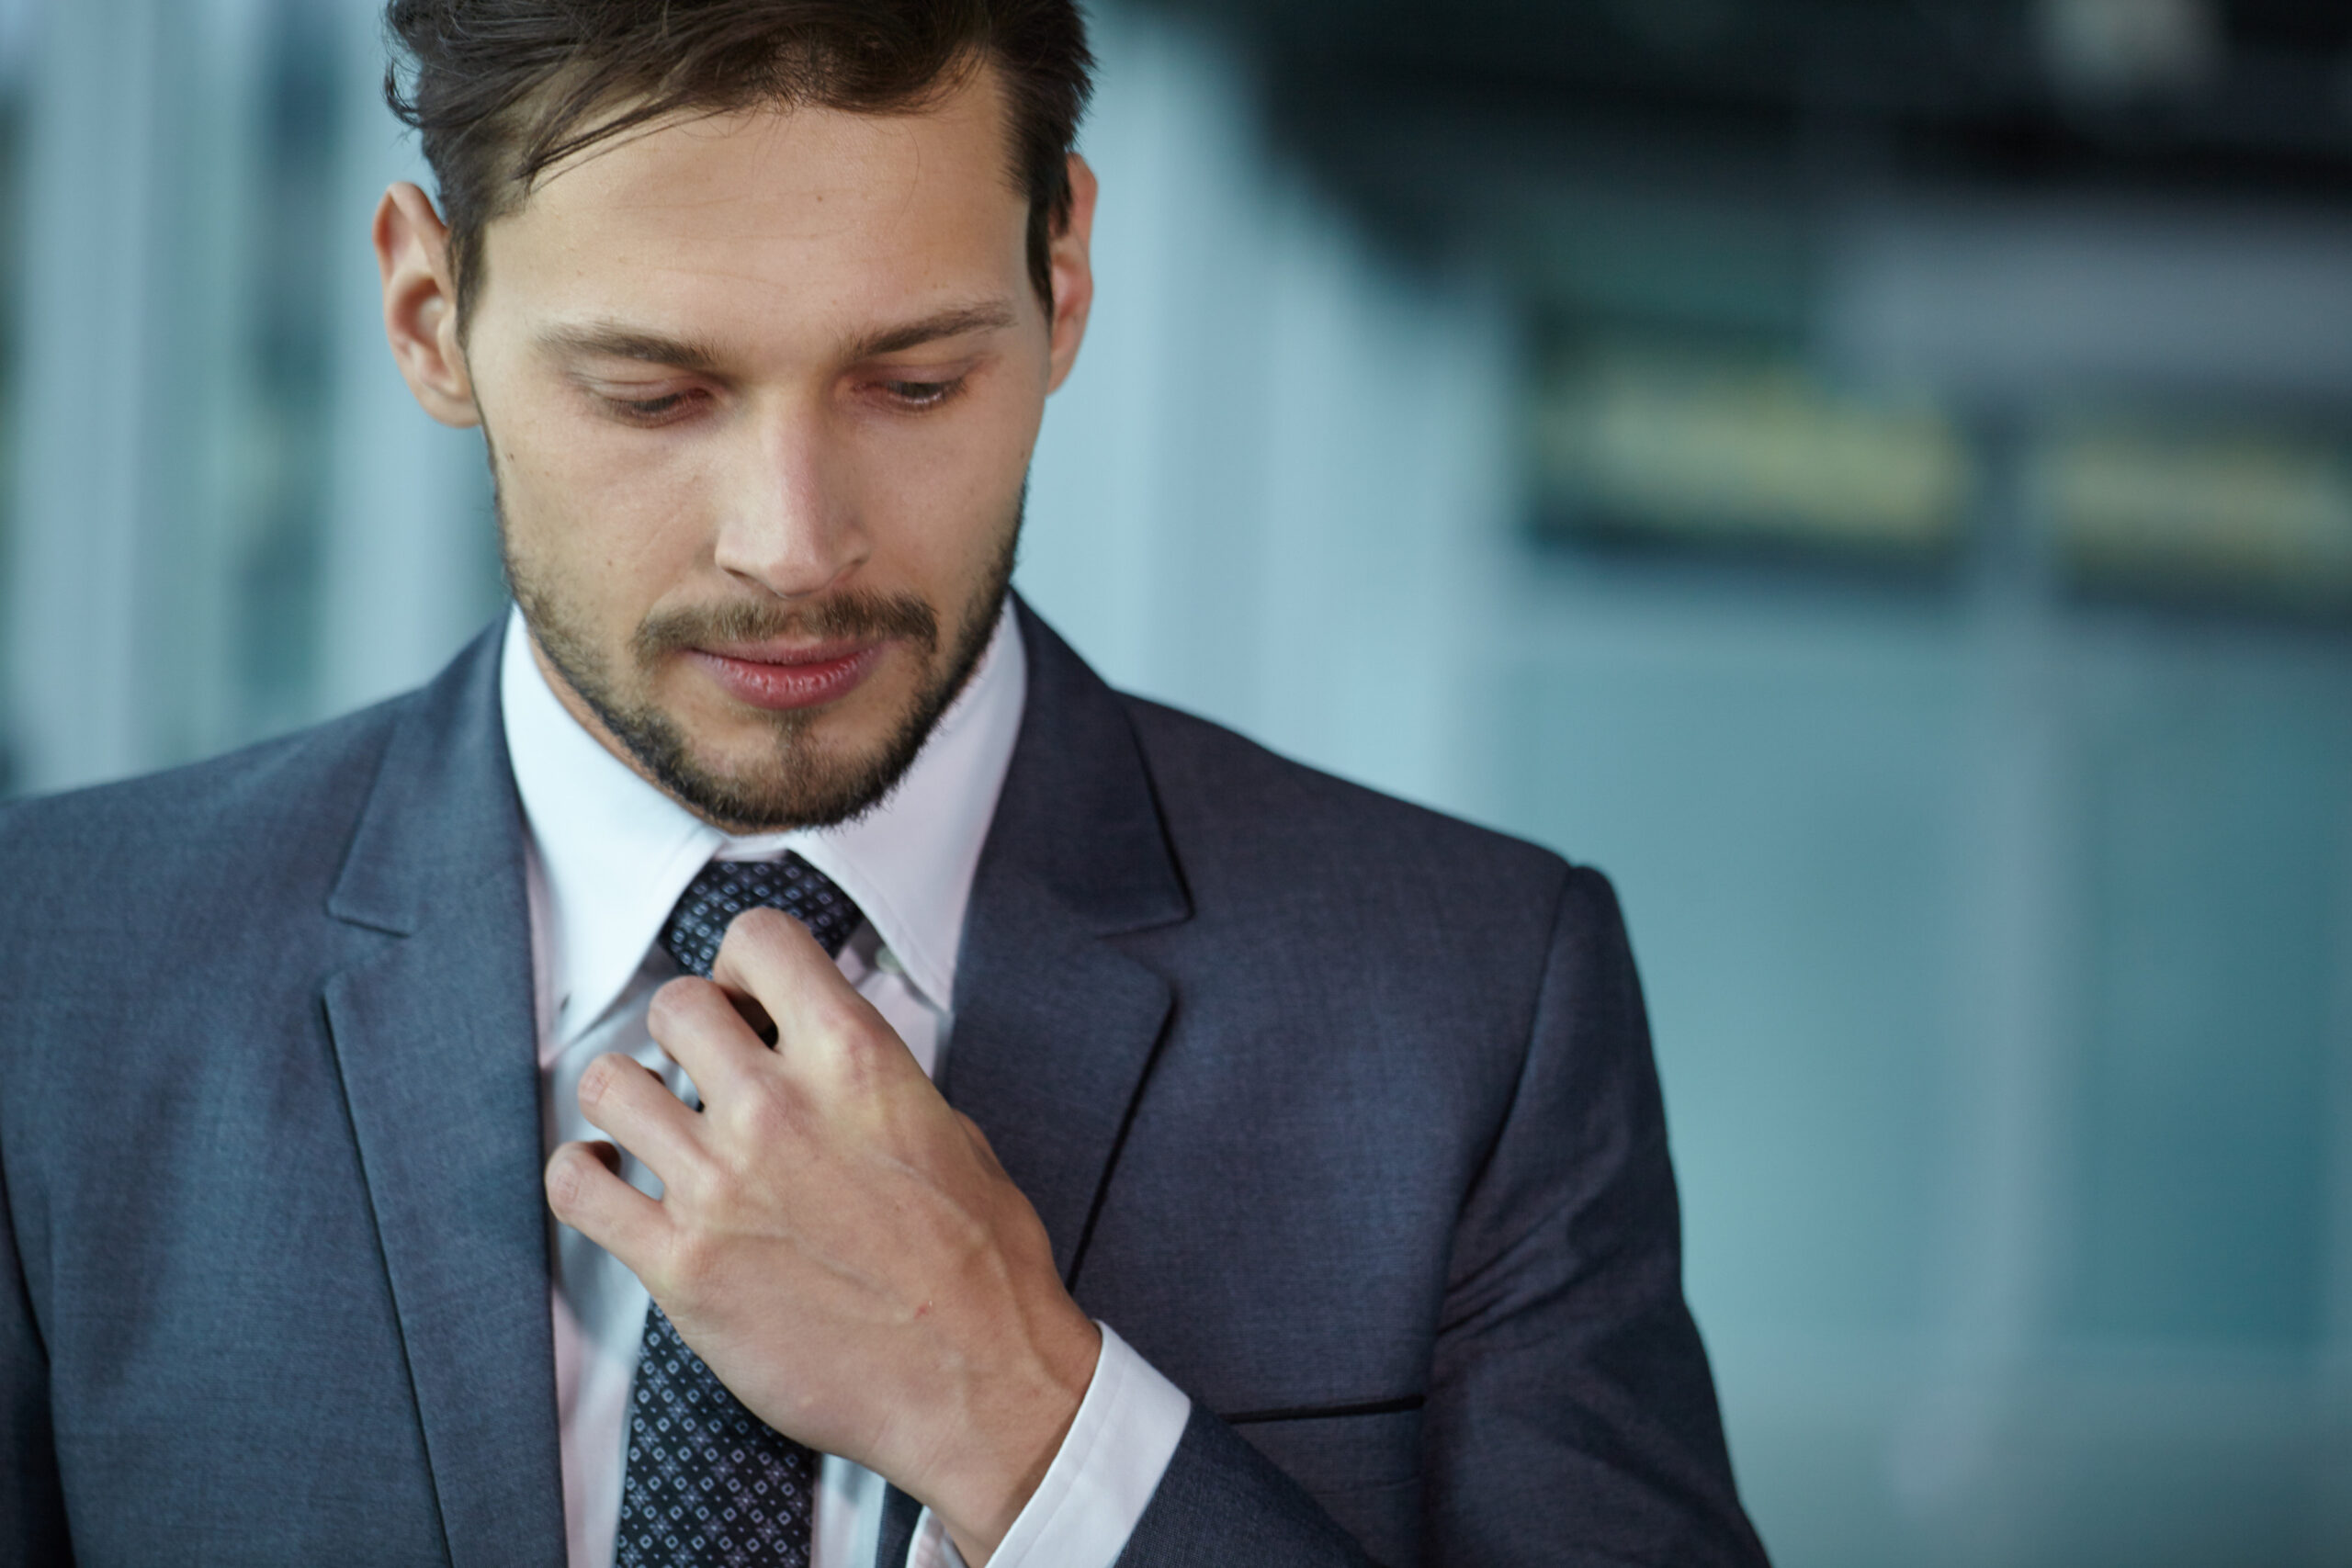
(724, 890)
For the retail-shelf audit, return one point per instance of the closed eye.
(921, 394)
(652, 410)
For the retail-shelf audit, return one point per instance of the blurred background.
(1874, 476)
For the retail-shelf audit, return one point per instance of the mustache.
(852, 616)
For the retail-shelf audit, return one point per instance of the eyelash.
(650, 410)
(916, 396)
(923, 396)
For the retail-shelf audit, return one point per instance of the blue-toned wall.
(1994, 933)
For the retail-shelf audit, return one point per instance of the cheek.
(943, 497)
(610, 525)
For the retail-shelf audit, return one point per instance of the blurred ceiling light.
(1729, 449)
(2228, 512)
(2124, 48)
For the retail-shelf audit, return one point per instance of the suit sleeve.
(1571, 1417)
(32, 1503)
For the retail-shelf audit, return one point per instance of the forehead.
(723, 223)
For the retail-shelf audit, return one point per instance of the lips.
(784, 679)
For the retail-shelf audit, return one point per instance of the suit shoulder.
(1220, 788)
(227, 820)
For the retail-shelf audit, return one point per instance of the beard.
(800, 782)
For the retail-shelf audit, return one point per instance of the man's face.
(760, 392)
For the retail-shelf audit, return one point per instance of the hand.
(837, 1242)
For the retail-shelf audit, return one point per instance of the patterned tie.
(710, 1483)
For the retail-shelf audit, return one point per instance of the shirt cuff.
(1102, 1479)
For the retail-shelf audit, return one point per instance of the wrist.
(998, 1469)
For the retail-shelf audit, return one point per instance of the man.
(1294, 1190)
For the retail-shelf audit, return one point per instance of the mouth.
(782, 677)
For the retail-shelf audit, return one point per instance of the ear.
(1073, 272)
(421, 304)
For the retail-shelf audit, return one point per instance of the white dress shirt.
(608, 856)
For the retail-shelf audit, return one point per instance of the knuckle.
(675, 1003)
(838, 1022)
(859, 1055)
(766, 1112)
(694, 1181)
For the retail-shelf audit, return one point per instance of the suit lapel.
(1055, 1025)
(434, 1035)
(1051, 1045)
(1055, 1030)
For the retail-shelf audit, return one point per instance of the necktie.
(710, 1483)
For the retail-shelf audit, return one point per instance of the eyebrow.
(608, 341)
(992, 316)
(604, 342)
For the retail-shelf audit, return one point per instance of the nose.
(790, 524)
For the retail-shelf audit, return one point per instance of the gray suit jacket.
(1341, 1112)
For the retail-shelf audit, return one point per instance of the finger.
(587, 1194)
(621, 1098)
(705, 1032)
(820, 1017)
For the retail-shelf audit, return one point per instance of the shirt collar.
(615, 851)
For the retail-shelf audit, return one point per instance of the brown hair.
(501, 90)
